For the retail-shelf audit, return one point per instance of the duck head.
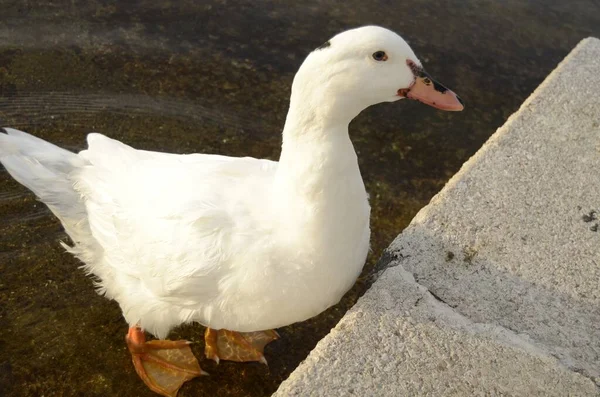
(364, 66)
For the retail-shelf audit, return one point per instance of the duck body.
(230, 243)
(235, 243)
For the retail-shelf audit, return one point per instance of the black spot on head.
(3, 130)
(323, 46)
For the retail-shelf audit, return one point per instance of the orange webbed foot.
(237, 346)
(163, 365)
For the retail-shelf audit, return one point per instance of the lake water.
(214, 77)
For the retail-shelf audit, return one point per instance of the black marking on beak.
(418, 71)
(425, 76)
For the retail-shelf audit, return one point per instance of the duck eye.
(380, 56)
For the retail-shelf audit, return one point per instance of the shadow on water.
(215, 78)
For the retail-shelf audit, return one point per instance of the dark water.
(214, 77)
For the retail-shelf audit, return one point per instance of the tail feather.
(46, 170)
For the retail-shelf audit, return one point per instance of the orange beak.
(425, 89)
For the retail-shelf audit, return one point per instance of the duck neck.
(317, 161)
(314, 148)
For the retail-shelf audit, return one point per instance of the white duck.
(239, 245)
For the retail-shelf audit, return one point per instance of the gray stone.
(493, 289)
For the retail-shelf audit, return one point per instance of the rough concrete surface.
(493, 289)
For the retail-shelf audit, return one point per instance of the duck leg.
(237, 346)
(163, 365)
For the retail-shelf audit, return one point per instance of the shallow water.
(215, 78)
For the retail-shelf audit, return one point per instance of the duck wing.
(169, 223)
